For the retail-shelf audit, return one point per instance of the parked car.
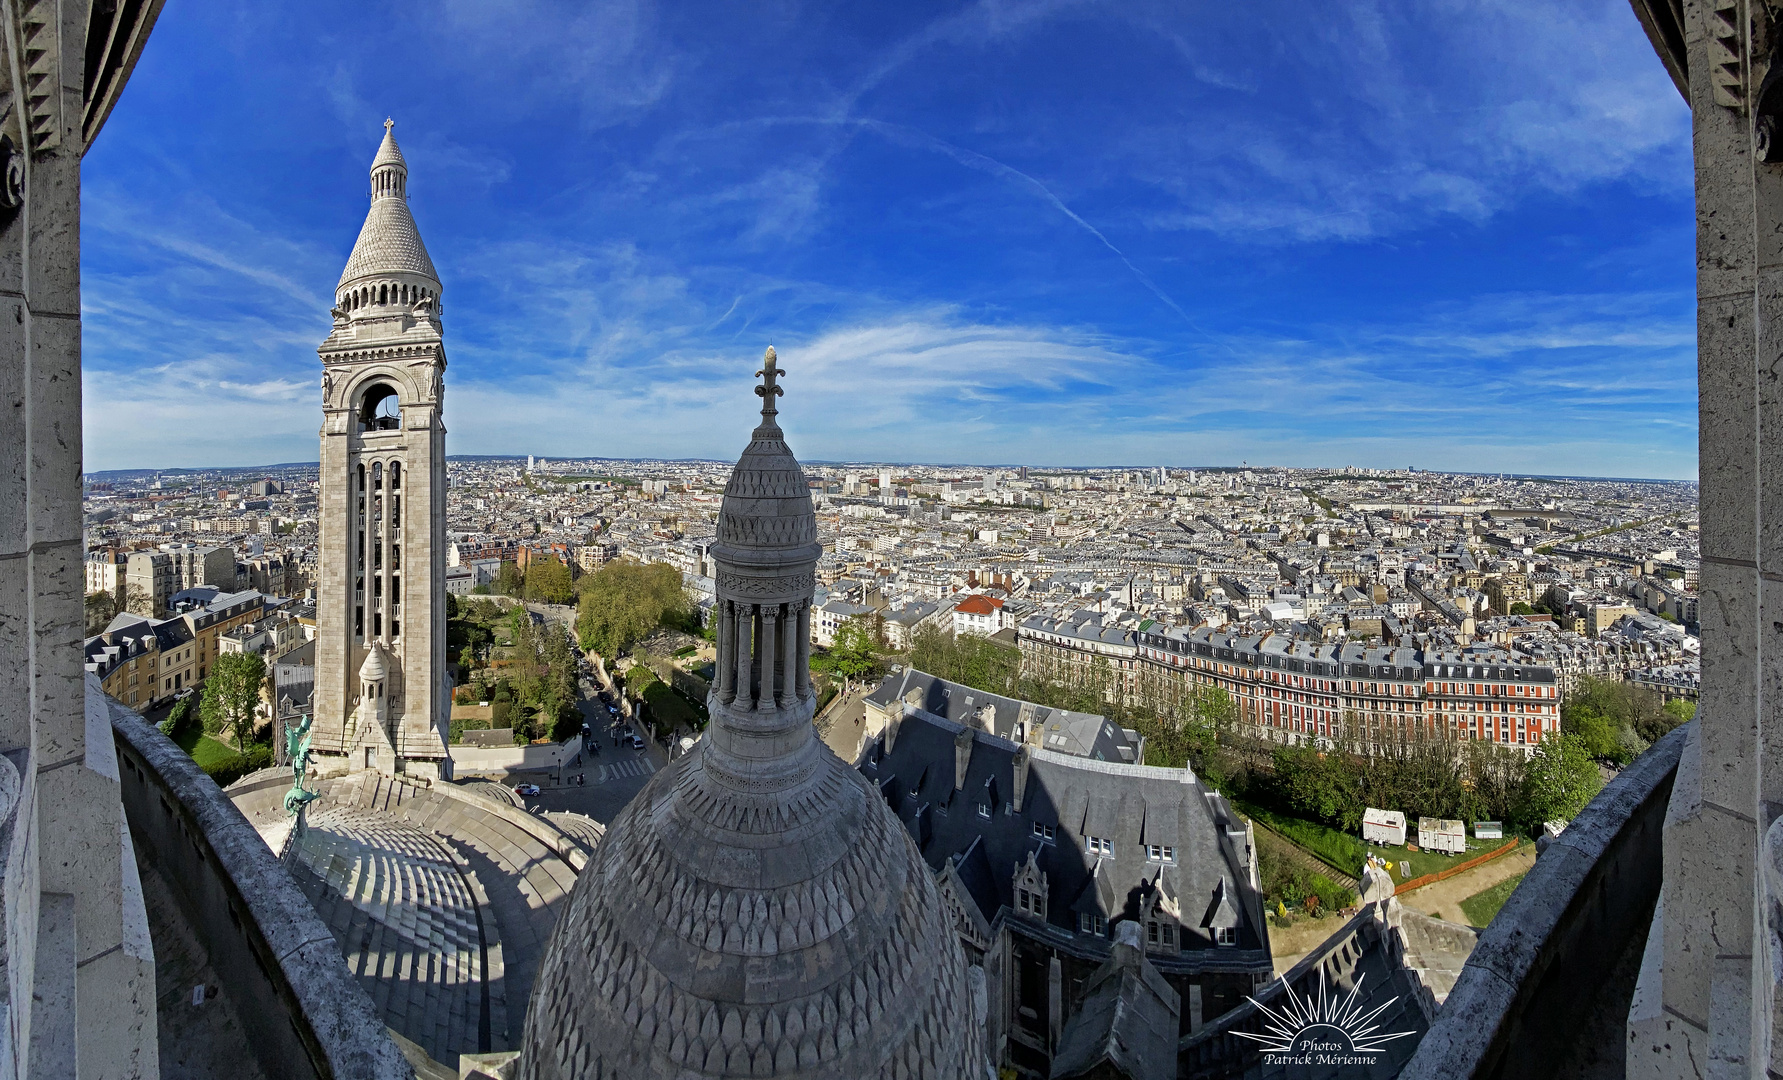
(526, 789)
(637, 741)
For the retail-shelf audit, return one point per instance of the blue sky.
(1444, 234)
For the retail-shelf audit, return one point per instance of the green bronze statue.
(297, 745)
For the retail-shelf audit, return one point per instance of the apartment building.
(1294, 689)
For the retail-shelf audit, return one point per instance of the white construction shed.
(1384, 827)
(1442, 834)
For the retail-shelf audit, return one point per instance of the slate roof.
(1130, 805)
(1061, 730)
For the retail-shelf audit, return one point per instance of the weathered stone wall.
(275, 959)
(75, 929)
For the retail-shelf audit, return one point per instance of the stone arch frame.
(408, 390)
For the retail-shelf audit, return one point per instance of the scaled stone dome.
(388, 242)
(374, 668)
(767, 501)
(757, 910)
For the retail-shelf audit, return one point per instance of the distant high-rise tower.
(381, 698)
(529, 463)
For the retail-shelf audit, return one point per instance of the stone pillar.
(789, 657)
(73, 930)
(725, 670)
(770, 623)
(804, 661)
(1703, 1005)
(743, 646)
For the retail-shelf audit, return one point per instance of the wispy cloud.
(1002, 231)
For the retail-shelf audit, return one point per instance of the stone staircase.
(407, 920)
(581, 828)
(412, 876)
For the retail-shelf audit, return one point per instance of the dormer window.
(1226, 935)
(1092, 924)
(1160, 853)
(1099, 845)
(1045, 832)
(1033, 903)
(984, 810)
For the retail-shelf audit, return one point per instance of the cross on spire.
(388, 123)
(769, 390)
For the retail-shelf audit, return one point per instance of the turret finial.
(388, 123)
(769, 390)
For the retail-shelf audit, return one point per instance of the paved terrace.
(440, 897)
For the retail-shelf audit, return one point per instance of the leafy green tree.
(968, 659)
(231, 694)
(1520, 608)
(854, 653)
(1595, 732)
(1614, 717)
(1560, 780)
(1320, 786)
(624, 601)
(508, 580)
(1685, 711)
(547, 581)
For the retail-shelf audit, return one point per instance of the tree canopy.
(231, 694)
(547, 581)
(854, 653)
(1615, 721)
(1560, 780)
(624, 601)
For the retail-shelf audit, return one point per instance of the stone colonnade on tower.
(764, 653)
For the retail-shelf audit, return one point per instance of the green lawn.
(1340, 849)
(1431, 862)
(204, 749)
(1482, 906)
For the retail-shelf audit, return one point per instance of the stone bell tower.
(382, 700)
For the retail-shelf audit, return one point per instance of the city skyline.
(1388, 242)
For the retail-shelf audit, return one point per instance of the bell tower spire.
(381, 603)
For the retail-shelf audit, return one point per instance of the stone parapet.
(271, 953)
(1546, 989)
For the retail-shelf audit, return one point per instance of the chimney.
(962, 756)
(1020, 765)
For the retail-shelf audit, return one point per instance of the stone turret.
(757, 910)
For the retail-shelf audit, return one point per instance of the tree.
(967, 659)
(101, 607)
(1520, 608)
(1685, 711)
(231, 694)
(1320, 786)
(853, 653)
(548, 582)
(508, 580)
(1614, 717)
(1560, 780)
(622, 602)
